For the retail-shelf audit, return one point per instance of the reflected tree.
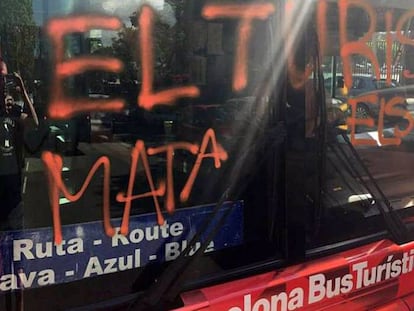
(170, 52)
(17, 36)
(169, 43)
(124, 48)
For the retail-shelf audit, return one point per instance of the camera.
(10, 83)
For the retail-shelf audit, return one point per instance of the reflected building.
(44, 9)
(77, 129)
(76, 44)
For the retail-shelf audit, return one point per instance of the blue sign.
(30, 259)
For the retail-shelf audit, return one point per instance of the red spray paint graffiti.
(147, 99)
(247, 13)
(139, 154)
(54, 166)
(62, 107)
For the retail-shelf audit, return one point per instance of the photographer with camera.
(13, 121)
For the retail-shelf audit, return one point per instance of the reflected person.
(13, 121)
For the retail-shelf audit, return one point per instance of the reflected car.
(366, 85)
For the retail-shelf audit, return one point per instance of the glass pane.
(370, 122)
(137, 122)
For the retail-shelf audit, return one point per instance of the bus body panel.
(375, 276)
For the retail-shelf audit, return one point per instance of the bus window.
(152, 152)
(348, 165)
(153, 121)
(365, 151)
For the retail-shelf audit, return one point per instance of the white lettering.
(316, 288)
(380, 269)
(118, 237)
(152, 233)
(279, 298)
(359, 267)
(247, 303)
(47, 252)
(172, 251)
(396, 268)
(405, 260)
(164, 230)
(110, 265)
(125, 266)
(137, 258)
(12, 281)
(75, 246)
(27, 282)
(280, 301)
(94, 266)
(295, 299)
(176, 229)
(24, 249)
(8, 282)
(46, 277)
(261, 305)
(347, 284)
(136, 236)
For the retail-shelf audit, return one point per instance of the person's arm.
(3, 68)
(26, 100)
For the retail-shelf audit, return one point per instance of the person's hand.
(19, 81)
(3, 67)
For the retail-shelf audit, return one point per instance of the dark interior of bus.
(306, 188)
